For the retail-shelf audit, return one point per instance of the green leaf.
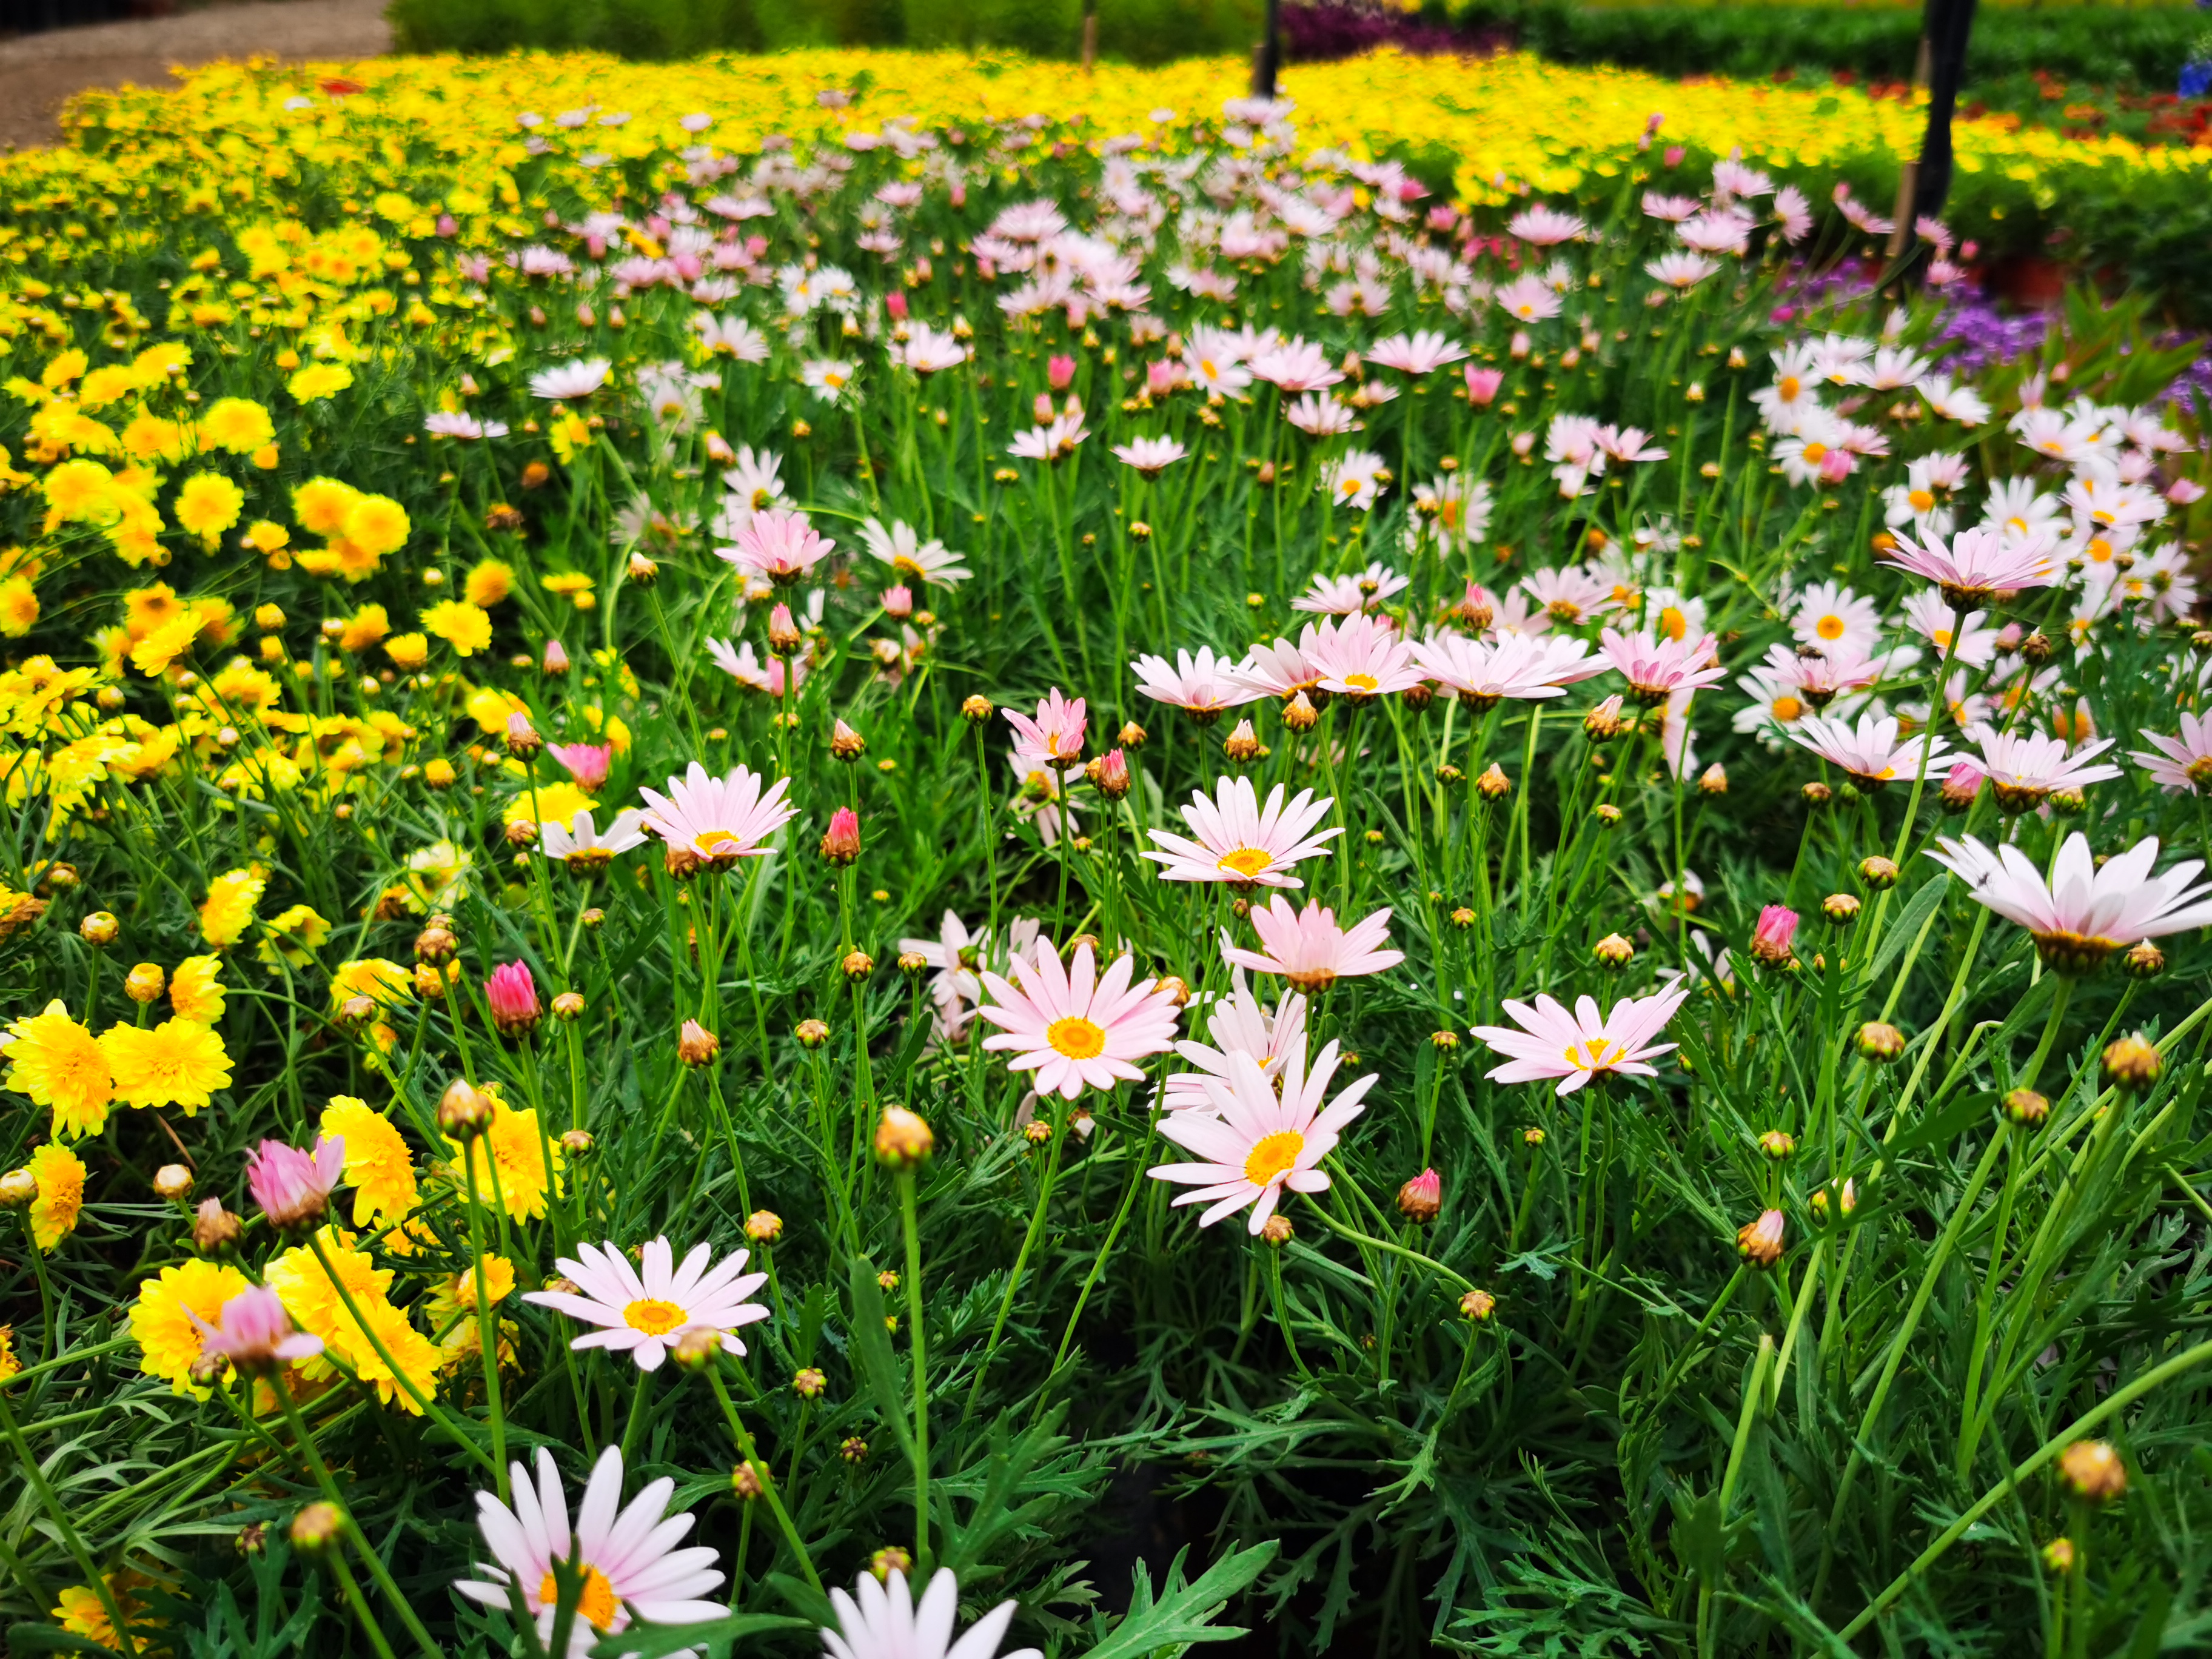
(51, 1638)
(872, 1349)
(1696, 1537)
(658, 1641)
(1948, 1125)
(1906, 928)
(1185, 1612)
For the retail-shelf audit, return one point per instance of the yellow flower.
(438, 875)
(60, 1174)
(229, 911)
(408, 651)
(80, 492)
(554, 801)
(19, 607)
(514, 1180)
(268, 537)
(195, 990)
(377, 526)
(308, 1292)
(489, 581)
(319, 380)
(378, 1165)
(417, 1358)
(153, 653)
(168, 1342)
(81, 1612)
(175, 1063)
(463, 626)
(293, 935)
(456, 1294)
(8, 1363)
(372, 977)
(313, 1300)
(364, 629)
(207, 505)
(59, 1063)
(238, 426)
(320, 505)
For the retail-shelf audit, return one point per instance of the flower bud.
(1880, 1042)
(1493, 784)
(2145, 961)
(436, 945)
(1531, 1138)
(18, 1188)
(1300, 714)
(763, 1226)
(2026, 1108)
(463, 1113)
(1841, 908)
(1817, 795)
(173, 1184)
(887, 1560)
(2132, 1063)
(897, 602)
(2058, 1556)
(1878, 872)
(1778, 1144)
(2037, 648)
(215, 1229)
(429, 983)
(846, 744)
(1443, 1041)
(857, 966)
(1276, 1230)
(568, 1006)
(578, 1143)
(745, 1482)
(146, 982)
(1241, 746)
(2093, 1471)
(522, 738)
(643, 571)
(783, 635)
(1607, 815)
(1759, 1243)
(852, 1449)
(99, 929)
(316, 1530)
(1614, 951)
(1478, 1305)
(695, 1045)
(977, 710)
(811, 1033)
(1109, 774)
(911, 963)
(696, 1349)
(555, 660)
(1175, 988)
(1713, 781)
(902, 1139)
(808, 1384)
(840, 843)
(1131, 736)
(1419, 1198)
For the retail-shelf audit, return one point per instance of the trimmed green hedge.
(1139, 31)
(2113, 46)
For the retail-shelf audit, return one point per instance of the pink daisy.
(1074, 1028)
(1363, 657)
(1656, 668)
(2182, 762)
(1870, 751)
(2026, 768)
(1241, 841)
(1254, 1144)
(1055, 738)
(719, 818)
(1977, 563)
(1523, 666)
(1309, 950)
(2082, 914)
(777, 543)
(1239, 1024)
(643, 1310)
(1577, 1047)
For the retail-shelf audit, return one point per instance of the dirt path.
(38, 71)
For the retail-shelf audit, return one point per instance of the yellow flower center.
(1789, 386)
(2100, 550)
(1594, 1054)
(907, 567)
(1922, 500)
(1942, 636)
(596, 1605)
(1077, 1038)
(1350, 486)
(1788, 708)
(1815, 451)
(1362, 682)
(1274, 1157)
(1829, 627)
(1672, 623)
(654, 1316)
(1246, 863)
(711, 842)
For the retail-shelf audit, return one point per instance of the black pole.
(1267, 56)
(1950, 23)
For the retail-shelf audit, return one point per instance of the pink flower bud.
(556, 657)
(1159, 379)
(1673, 154)
(2182, 492)
(293, 1188)
(1523, 442)
(522, 738)
(1444, 220)
(895, 303)
(1043, 409)
(256, 1333)
(898, 602)
(512, 996)
(1769, 940)
(1419, 1198)
(586, 762)
(960, 194)
(1836, 466)
(1520, 344)
(783, 637)
(1482, 385)
(448, 226)
(842, 843)
(1060, 371)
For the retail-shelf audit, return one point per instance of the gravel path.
(38, 71)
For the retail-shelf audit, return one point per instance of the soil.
(38, 72)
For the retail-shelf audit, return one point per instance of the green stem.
(761, 1472)
(914, 1343)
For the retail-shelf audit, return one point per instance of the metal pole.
(1267, 56)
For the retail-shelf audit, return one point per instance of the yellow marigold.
(438, 875)
(60, 1173)
(207, 505)
(159, 649)
(489, 708)
(554, 801)
(176, 1063)
(489, 581)
(19, 607)
(168, 1342)
(149, 437)
(145, 609)
(416, 1355)
(79, 492)
(466, 627)
(8, 1363)
(60, 1064)
(320, 505)
(408, 651)
(308, 1293)
(567, 584)
(229, 911)
(292, 935)
(268, 537)
(513, 1179)
(80, 1611)
(238, 426)
(456, 1294)
(218, 620)
(378, 1165)
(376, 525)
(195, 990)
(364, 629)
(106, 385)
(372, 977)
(319, 380)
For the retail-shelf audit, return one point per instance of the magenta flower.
(841, 844)
(1055, 738)
(1482, 385)
(1060, 371)
(294, 1187)
(1769, 940)
(586, 762)
(256, 1333)
(513, 996)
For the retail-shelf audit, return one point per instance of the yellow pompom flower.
(320, 505)
(466, 627)
(207, 505)
(195, 990)
(554, 801)
(364, 629)
(376, 525)
(237, 426)
(308, 1292)
(456, 1294)
(267, 537)
(79, 492)
(8, 1363)
(229, 910)
(168, 1342)
(378, 1165)
(159, 649)
(510, 1160)
(19, 607)
(176, 1063)
(319, 380)
(372, 977)
(80, 1611)
(60, 1064)
(408, 651)
(489, 581)
(293, 935)
(60, 1174)
(416, 1355)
